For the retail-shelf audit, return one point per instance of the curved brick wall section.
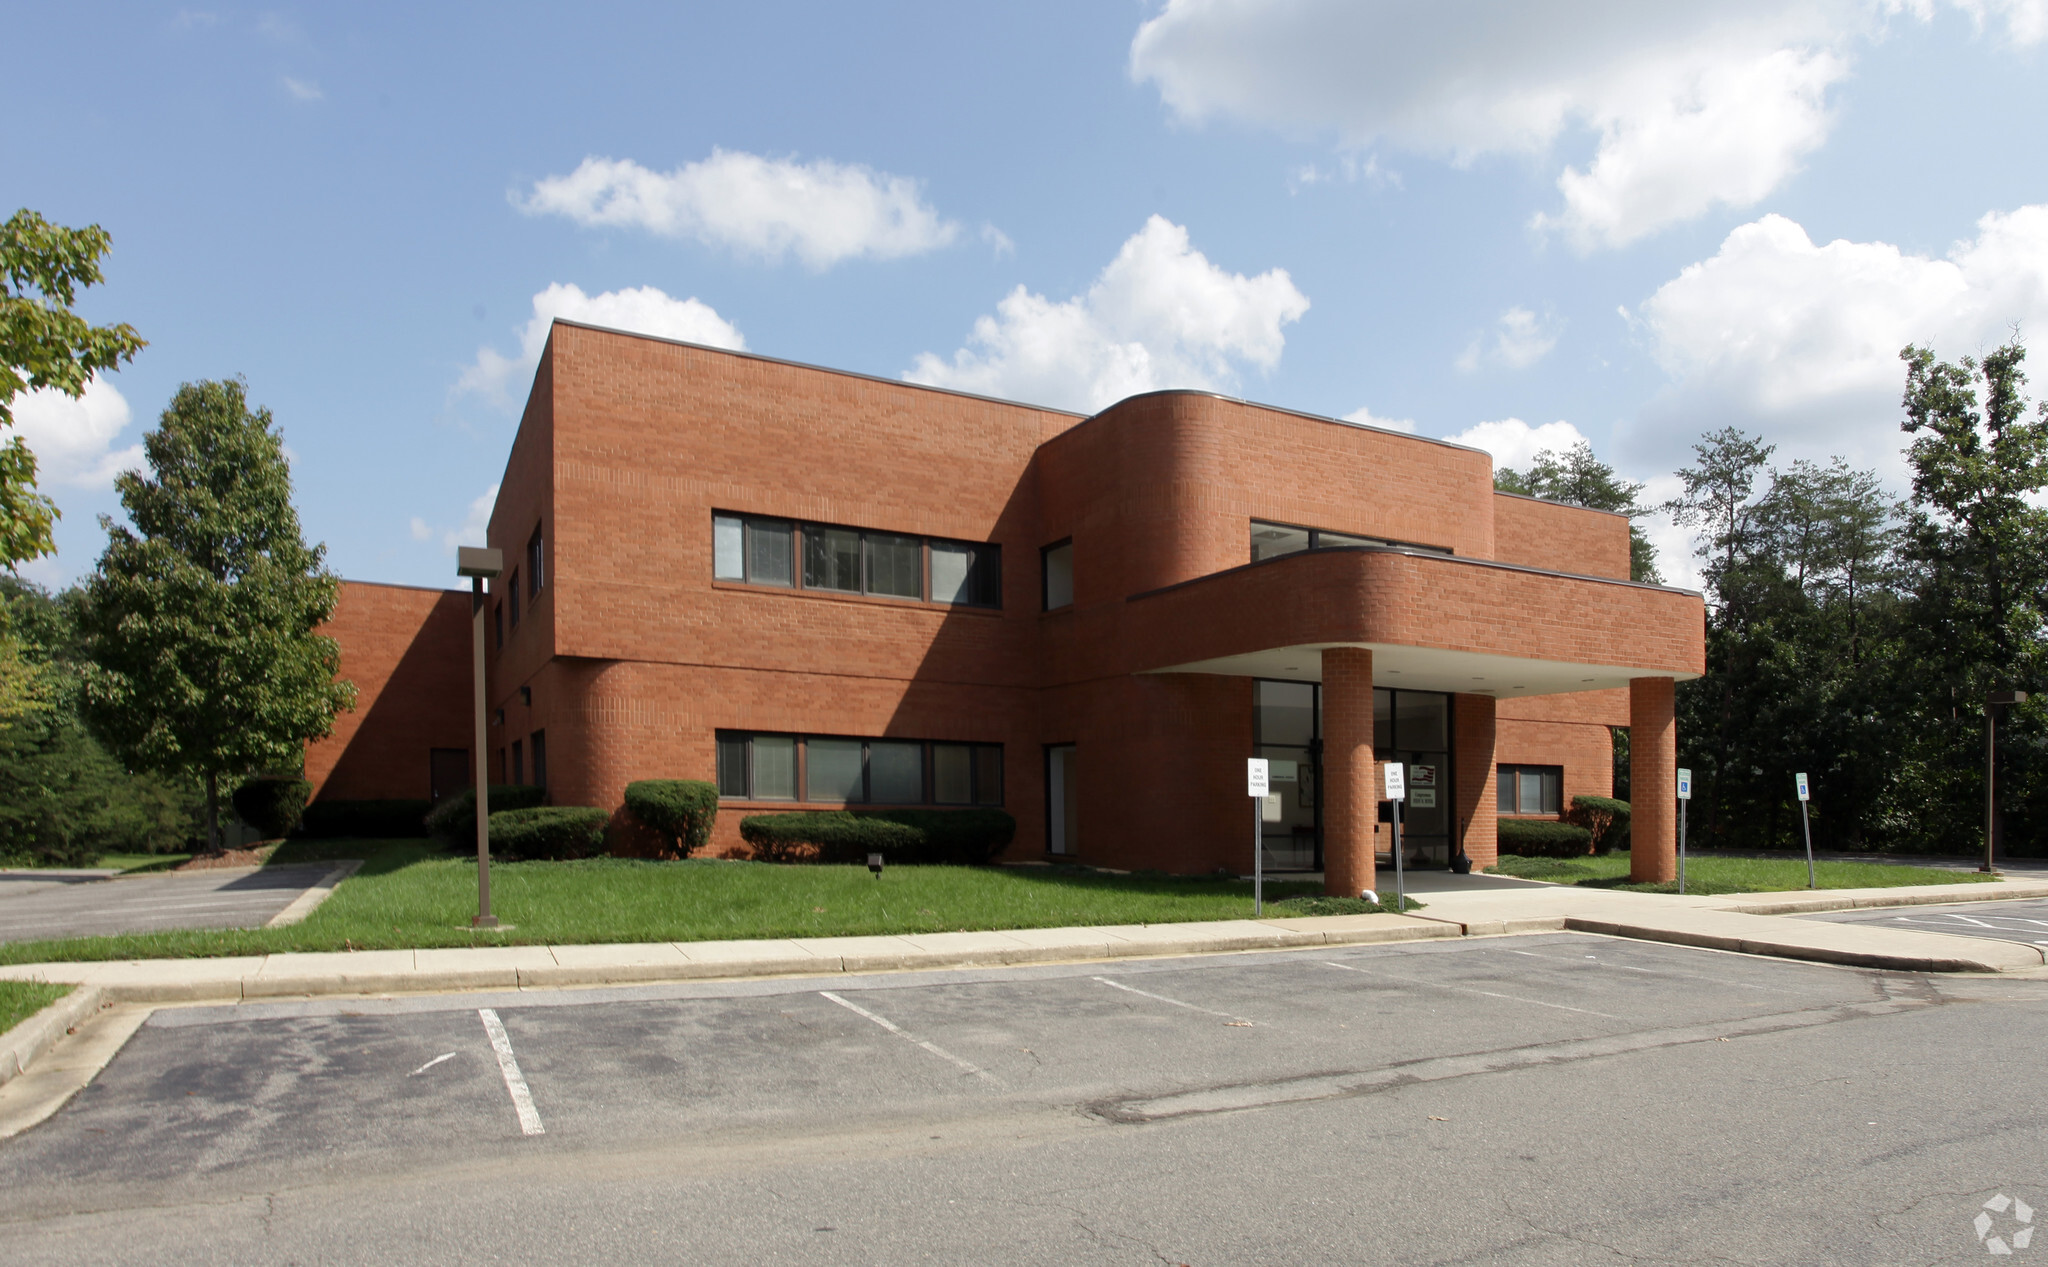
(1416, 600)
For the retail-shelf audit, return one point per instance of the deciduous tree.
(201, 618)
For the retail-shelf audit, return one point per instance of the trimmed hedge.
(550, 832)
(682, 808)
(453, 821)
(382, 820)
(1605, 817)
(272, 803)
(1543, 838)
(969, 837)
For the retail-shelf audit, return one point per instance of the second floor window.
(839, 560)
(536, 574)
(1271, 540)
(1059, 575)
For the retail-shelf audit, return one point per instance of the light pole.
(480, 565)
(1992, 703)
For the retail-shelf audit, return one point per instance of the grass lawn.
(20, 1000)
(1713, 874)
(412, 894)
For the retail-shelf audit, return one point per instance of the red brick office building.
(823, 589)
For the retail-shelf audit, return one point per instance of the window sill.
(868, 600)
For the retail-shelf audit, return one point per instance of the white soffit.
(1432, 669)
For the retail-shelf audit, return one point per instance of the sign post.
(1684, 798)
(1397, 791)
(1257, 786)
(1807, 827)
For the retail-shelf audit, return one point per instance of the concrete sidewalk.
(1750, 923)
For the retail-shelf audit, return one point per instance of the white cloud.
(1159, 315)
(1515, 443)
(475, 527)
(1365, 417)
(1520, 339)
(821, 211)
(642, 310)
(1800, 341)
(302, 89)
(1692, 105)
(73, 440)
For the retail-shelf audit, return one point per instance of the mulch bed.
(252, 857)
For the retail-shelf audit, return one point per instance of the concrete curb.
(379, 972)
(27, 1042)
(1812, 950)
(1861, 899)
(322, 889)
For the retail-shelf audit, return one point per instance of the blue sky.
(1515, 223)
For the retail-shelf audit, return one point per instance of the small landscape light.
(875, 864)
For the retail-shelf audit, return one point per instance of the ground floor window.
(1530, 789)
(540, 758)
(768, 767)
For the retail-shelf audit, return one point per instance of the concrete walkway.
(1751, 923)
(38, 905)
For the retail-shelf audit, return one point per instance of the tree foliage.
(201, 618)
(43, 343)
(63, 798)
(1853, 637)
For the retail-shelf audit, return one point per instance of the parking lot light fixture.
(479, 565)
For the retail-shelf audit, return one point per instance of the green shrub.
(549, 832)
(1543, 838)
(682, 808)
(1605, 817)
(905, 836)
(382, 820)
(272, 803)
(453, 821)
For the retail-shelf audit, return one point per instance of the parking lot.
(33, 907)
(1549, 1099)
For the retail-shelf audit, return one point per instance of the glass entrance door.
(1414, 728)
(1287, 732)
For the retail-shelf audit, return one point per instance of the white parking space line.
(909, 1037)
(1654, 972)
(1118, 985)
(508, 1064)
(1466, 989)
(446, 1055)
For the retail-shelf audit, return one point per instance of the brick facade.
(630, 657)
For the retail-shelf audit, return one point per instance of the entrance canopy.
(1428, 669)
(1433, 622)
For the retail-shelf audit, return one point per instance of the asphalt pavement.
(34, 907)
(2025, 922)
(1558, 1098)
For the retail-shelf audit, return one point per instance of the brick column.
(1350, 782)
(1474, 735)
(1652, 777)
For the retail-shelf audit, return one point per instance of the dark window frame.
(536, 566)
(518, 762)
(1356, 539)
(512, 595)
(926, 757)
(537, 748)
(1513, 773)
(1045, 602)
(986, 553)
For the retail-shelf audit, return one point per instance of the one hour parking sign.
(1256, 781)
